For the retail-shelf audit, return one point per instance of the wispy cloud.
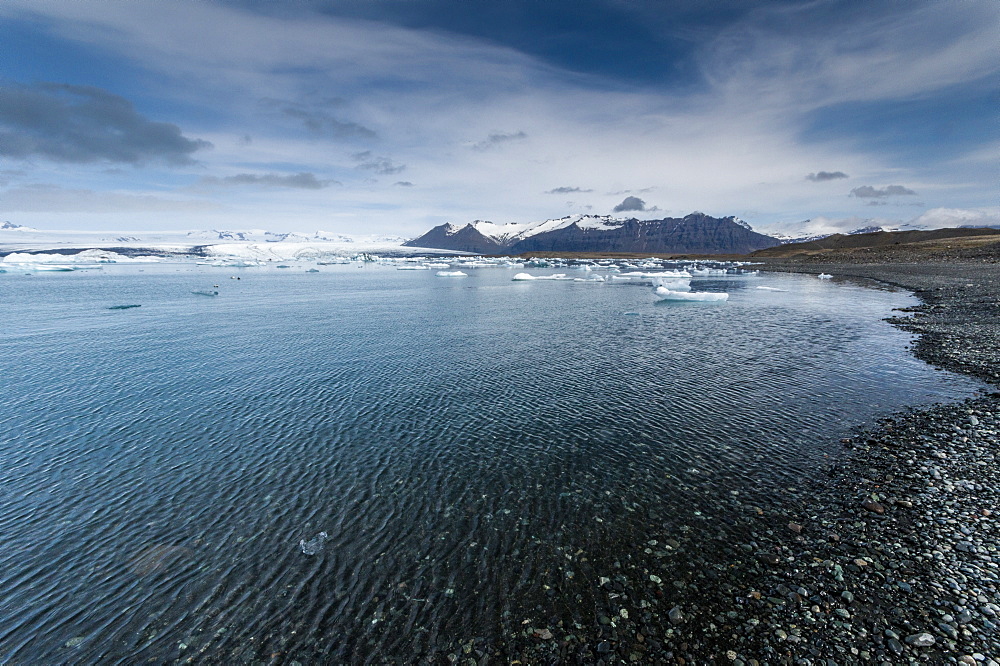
(497, 139)
(302, 180)
(318, 121)
(566, 190)
(869, 192)
(380, 165)
(823, 176)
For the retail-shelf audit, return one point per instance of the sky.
(393, 116)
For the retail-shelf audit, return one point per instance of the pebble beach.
(892, 559)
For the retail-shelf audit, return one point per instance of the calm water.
(460, 442)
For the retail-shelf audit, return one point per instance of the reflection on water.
(379, 465)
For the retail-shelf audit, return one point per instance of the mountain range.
(696, 233)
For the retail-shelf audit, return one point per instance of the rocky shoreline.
(893, 559)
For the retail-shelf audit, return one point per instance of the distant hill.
(696, 233)
(878, 239)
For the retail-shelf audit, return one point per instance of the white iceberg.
(451, 274)
(824, 276)
(520, 277)
(665, 294)
(411, 268)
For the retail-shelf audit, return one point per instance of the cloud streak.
(824, 176)
(81, 124)
(380, 165)
(497, 139)
(566, 190)
(302, 180)
(869, 192)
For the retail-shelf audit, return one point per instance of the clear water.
(466, 445)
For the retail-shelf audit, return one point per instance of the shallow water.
(166, 470)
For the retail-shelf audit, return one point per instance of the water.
(468, 447)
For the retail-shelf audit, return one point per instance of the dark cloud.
(318, 121)
(403, 183)
(630, 203)
(302, 180)
(566, 190)
(823, 176)
(499, 138)
(869, 192)
(380, 165)
(80, 124)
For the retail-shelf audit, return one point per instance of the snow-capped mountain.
(696, 233)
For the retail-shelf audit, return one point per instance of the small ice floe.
(411, 268)
(824, 276)
(451, 274)
(763, 288)
(437, 264)
(520, 277)
(596, 278)
(314, 545)
(665, 294)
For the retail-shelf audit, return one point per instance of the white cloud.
(421, 99)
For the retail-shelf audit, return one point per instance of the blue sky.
(392, 116)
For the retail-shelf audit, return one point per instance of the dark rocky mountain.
(696, 233)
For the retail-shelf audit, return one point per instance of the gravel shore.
(893, 559)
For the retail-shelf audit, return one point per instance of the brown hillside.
(881, 239)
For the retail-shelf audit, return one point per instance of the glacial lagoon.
(349, 463)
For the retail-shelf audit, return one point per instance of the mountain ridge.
(696, 233)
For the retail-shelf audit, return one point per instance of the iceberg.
(451, 274)
(824, 276)
(526, 276)
(665, 294)
(411, 268)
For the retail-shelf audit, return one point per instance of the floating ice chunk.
(526, 276)
(665, 294)
(437, 264)
(314, 545)
(763, 288)
(452, 274)
(824, 276)
(411, 268)
(673, 283)
(596, 278)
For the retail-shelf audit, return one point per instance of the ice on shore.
(665, 294)
(452, 274)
